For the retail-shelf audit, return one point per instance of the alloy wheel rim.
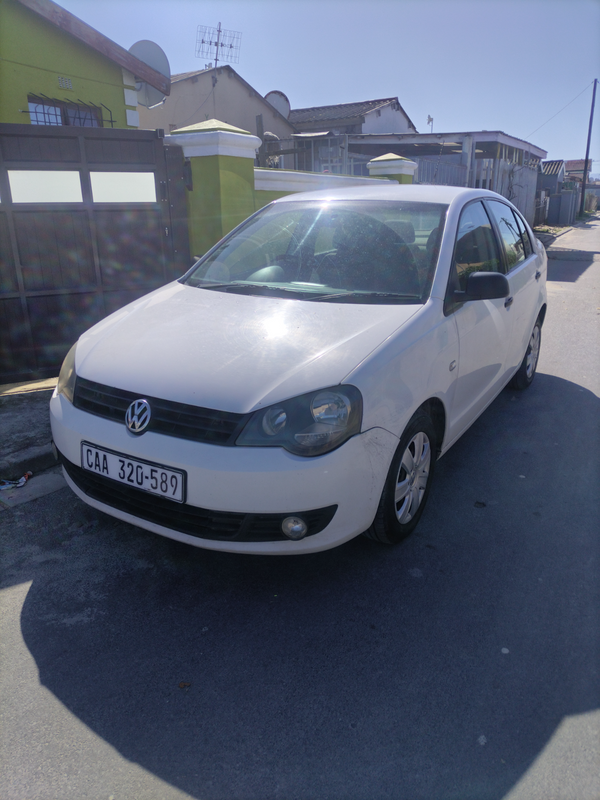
(413, 475)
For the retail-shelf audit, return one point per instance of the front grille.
(200, 522)
(181, 420)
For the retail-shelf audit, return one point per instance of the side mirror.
(483, 286)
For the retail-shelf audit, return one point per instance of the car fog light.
(274, 421)
(294, 528)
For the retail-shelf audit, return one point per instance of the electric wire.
(559, 112)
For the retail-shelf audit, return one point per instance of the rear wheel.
(408, 482)
(523, 377)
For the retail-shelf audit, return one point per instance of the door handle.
(508, 302)
(538, 275)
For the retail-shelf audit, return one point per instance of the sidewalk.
(25, 434)
(573, 237)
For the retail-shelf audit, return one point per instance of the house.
(574, 170)
(368, 116)
(480, 159)
(57, 70)
(216, 94)
(551, 176)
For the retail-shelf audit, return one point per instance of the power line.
(559, 112)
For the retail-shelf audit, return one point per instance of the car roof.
(390, 190)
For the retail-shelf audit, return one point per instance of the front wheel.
(523, 377)
(407, 484)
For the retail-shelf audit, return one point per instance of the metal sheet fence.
(68, 259)
(439, 173)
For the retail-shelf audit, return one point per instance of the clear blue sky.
(506, 65)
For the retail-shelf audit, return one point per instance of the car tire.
(523, 377)
(408, 482)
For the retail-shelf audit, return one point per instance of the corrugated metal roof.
(552, 167)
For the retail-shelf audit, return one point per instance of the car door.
(522, 271)
(484, 327)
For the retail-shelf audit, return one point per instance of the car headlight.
(308, 425)
(67, 376)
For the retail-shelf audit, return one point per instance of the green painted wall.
(223, 196)
(34, 54)
(264, 198)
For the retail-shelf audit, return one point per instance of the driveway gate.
(90, 219)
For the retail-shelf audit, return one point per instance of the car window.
(345, 251)
(476, 249)
(527, 246)
(514, 247)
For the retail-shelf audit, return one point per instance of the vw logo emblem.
(138, 415)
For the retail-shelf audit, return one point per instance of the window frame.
(524, 231)
(520, 223)
(450, 303)
(67, 111)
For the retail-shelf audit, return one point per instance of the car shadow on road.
(569, 265)
(437, 669)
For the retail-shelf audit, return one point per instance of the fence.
(435, 171)
(90, 219)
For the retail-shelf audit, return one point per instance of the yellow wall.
(262, 198)
(34, 54)
(223, 196)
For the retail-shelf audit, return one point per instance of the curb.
(37, 458)
(34, 459)
(548, 239)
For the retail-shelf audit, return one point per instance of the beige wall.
(230, 101)
(390, 120)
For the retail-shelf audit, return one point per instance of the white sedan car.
(295, 388)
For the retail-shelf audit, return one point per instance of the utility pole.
(587, 151)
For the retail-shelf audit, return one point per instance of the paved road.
(462, 664)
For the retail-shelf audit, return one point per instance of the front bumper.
(341, 490)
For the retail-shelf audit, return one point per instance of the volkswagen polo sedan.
(295, 388)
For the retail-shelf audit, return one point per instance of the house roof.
(552, 167)
(577, 165)
(342, 111)
(436, 141)
(72, 25)
(183, 76)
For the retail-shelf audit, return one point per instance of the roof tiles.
(339, 111)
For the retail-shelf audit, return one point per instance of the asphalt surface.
(463, 664)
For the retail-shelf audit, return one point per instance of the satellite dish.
(279, 102)
(151, 54)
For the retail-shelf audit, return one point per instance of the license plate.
(144, 475)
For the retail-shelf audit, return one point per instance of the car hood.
(232, 352)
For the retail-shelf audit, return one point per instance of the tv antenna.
(224, 45)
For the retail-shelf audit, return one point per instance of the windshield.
(352, 251)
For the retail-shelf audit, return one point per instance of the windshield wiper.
(215, 285)
(342, 296)
(250, 288)
(243, 287)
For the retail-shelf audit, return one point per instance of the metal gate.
(90, 219)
